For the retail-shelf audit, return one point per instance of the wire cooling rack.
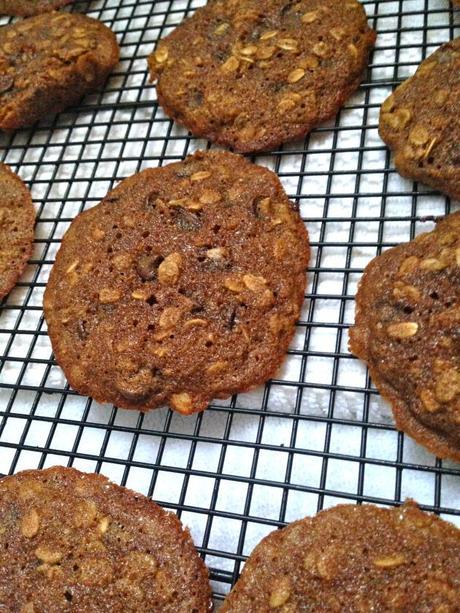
(318, 434)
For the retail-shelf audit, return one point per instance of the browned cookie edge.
(433, 441)
(406, 422)
(15, 273)
(267, 142)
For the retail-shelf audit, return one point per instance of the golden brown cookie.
(407, 330)
(27, 8)
(354, 558)
(49, 62)
(252, 74)
(419, 122)
(71, 541)
(17, 219)
(184, 284)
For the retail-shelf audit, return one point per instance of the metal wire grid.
(318, 434)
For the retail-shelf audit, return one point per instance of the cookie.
(419, 122)
(17, 219)
(76, 541)
(184, 284)
(27, 8)
(252, 74)
(49, 62)
(354, 558)
(407, 331)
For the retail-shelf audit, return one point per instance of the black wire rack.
(319, 433)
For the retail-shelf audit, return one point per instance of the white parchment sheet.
(319, 434)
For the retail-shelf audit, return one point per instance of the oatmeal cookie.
(407, 330)
(184, 284)
(252, 74)
(27, 8)
(419, 122)
(353, 558)
(49, 62)
(76, 541)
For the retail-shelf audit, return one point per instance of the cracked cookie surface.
(353, 558)
(183, 285)
(49, 62)
(419, 122)
(75, 541)
(17, 219)
(407, 330)
(27, 8)
(252, 74)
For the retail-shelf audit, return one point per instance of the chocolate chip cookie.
(27, 8)
(407, 330)
(252, 74)
(17, 219)
(419, 122)
(49, 62)
(184, 284)
(354, 558)
(76, 541)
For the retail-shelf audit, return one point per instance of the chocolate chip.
(6, 82)
(231, 316)
(138, 386)
(152, 198)
(186, 220)
(196, 308)
(133, 394)
(261, 207)
(195, 99)
(81, 330)
(286, 8)
(147, 266)
(216, 265)
(255, 207)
